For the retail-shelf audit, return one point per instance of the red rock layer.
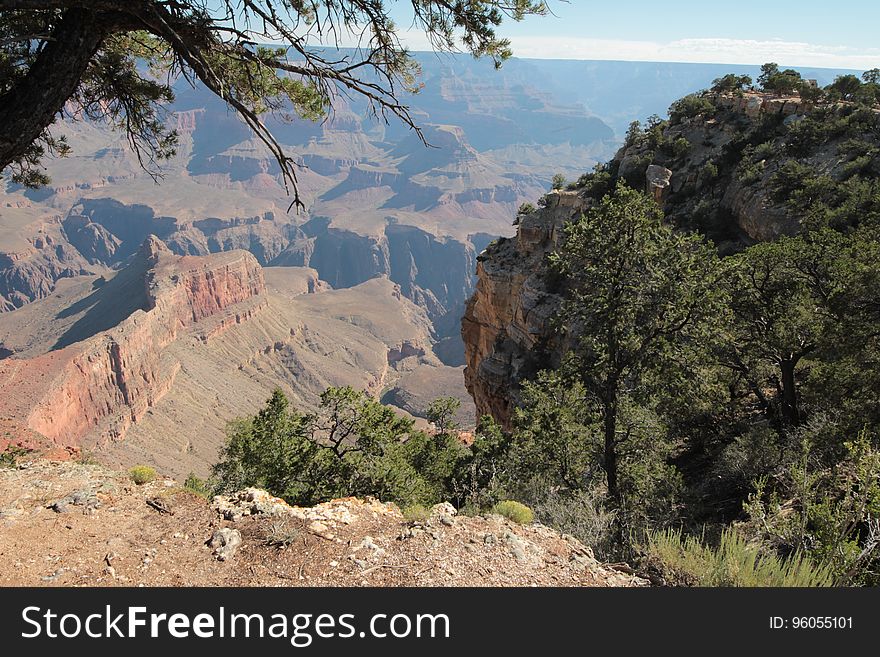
(94, 390)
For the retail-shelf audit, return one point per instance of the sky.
(833, 33)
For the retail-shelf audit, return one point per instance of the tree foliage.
(731, 82)
(781, 82)
(641, 300)
(117, 61)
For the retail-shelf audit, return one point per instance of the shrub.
(827, 513)
(558, 181)
(583, 514)
(748, 172)
(10, 456)
(633, 134)
(415, 513)
(281, 535)
(197, 486)
(526, 208)
(764, 151)
(686, 560)
(689, 107)
(811, 94)
(636, 177)
(859, 166)
(515, 511)
(709, 172)
(353, 446)
(731, 82)
(142, 474)
(680, 147)
(844, 87)
(596, 183)
(780, 82)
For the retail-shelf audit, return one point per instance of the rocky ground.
(75, 524)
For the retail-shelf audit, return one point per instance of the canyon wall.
(508, 328)
(507, 325)
(99, 387)
(434, 272)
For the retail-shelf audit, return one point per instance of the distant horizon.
(516, 56)
(749, 33)
(781, 64)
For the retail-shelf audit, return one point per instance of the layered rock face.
(149, 363)
(507, 326)
(434, 272)
(99, 387)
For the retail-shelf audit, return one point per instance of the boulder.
(225, 542)
(657, 181)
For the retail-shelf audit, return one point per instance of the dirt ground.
(73, 524)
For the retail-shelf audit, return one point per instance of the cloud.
(702, 50)
(706, 50)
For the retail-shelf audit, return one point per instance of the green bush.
(731, 82)
(416, 513)
(829, 514)
(515, 511)
(196, 485)
(10, 456)
(142, 474)
(633, 134)
(353, 446)
(709, 172)
(780, 82)
(689, 107)
(686, 560)
(748, 173)
(681, 147)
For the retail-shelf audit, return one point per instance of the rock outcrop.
(99, 387)
(701, 181)
(714, 172)
(507, 325)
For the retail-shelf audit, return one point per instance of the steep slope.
(738, 168)
(507, 325)
(99, 387)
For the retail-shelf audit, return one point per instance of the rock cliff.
(720, 170)
(507, 325)
(149, 363)
(99, 387)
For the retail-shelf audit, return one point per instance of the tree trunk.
(32, 104)
(610, 461)
(790, 412)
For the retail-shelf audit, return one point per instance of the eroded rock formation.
(101, 386)
(507, 326)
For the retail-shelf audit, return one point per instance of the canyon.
(151, 361)
(137, 319)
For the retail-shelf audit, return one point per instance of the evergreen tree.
(641, 304)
